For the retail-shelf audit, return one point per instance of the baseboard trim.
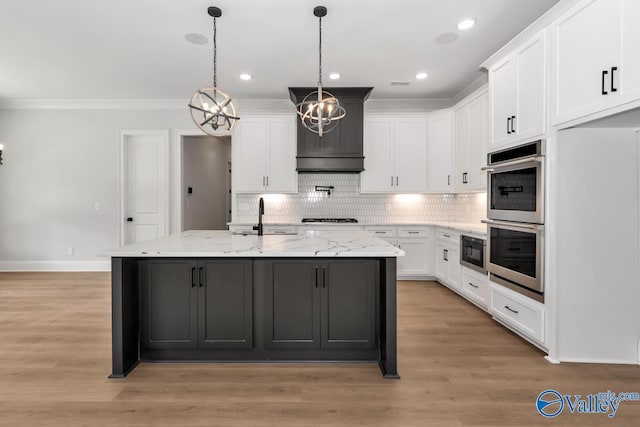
(598, 361)
(55, 266)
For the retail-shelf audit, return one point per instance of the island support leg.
(124, 316)
(388, 320)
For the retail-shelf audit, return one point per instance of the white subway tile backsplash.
(346, 201)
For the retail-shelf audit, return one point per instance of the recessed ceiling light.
(196, 38)
(334, 76)
(421, 76)
(465, 24)
(246, 76)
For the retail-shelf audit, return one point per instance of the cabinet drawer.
(280, 229)
(475, 287)
(381, 231)
(448, 236)
(415, 232)
(525, 315)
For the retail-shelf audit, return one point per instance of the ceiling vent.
(400, 83)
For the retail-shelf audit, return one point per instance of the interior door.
(146, 186)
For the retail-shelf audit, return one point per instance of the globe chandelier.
(211, 108)
(320, 111)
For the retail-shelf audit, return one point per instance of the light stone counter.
(217, 243)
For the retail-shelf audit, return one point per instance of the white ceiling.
(136, 49)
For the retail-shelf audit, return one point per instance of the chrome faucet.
(260, 213)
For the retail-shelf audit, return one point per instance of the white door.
(282, 176)
(532, 87)
(587, 46)
(503, 101)
(439, 153)
(477, 128)
(146, 186)
(378, 175)
(411, 155)
(249, 155)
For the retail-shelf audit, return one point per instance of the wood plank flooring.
(458, 368)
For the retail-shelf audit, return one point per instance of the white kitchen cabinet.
(418, 245)
(517, 88)
(395, 155)
(264, 155)
(595, 59)
(523, 315)
(470, 136)
(447, 259)
(440, 152)
(475, 287)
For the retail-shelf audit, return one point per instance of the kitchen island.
(218, 296)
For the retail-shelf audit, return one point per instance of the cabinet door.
(378, 175)
(461, 147)
(455, 270)
(629, 71)
(531, 88)
(502, 83)
(418, 259)
(249, 147)
(439, 156)
(476, 145)
(169, 304)
(411, 155)
(348, 304)
(225, 304)
(442, 266)
(587, 42)
(282, 176)
(292, 305)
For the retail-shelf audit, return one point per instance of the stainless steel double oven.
(515, 224)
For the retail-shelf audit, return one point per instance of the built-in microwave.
(515, 183)
(515, 256)
(472, 253)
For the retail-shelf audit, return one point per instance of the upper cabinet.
(470, 143)
(517, 88)
(395, 155)
(263, 153)
(595, 60)
(440, 152)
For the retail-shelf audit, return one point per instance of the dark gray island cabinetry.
(328, 297)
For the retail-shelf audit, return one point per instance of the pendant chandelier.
(211, 108)
(320, 111)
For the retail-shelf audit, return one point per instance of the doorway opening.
(206, 182)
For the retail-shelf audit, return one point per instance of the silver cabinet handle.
(531, 159)
(414, 232)
(513, 224)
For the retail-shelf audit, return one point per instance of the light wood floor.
(458, 368)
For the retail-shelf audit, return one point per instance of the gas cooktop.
(337, 220)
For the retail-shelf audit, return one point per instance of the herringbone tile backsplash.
(346, 201)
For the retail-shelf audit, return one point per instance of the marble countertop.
(463, 227)
(221, 243)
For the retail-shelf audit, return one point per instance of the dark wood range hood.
(341, 149)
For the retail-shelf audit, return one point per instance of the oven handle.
(513, 163)
(514, 224)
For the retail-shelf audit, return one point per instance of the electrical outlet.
(69, 251)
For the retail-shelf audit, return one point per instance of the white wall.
(57, 165)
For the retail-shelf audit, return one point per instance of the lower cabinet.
(475, 287)
(188, 304)
(448, 269)
(320, 304)
(521, 314)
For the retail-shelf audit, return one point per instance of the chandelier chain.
(215, 54)
(320, 52)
